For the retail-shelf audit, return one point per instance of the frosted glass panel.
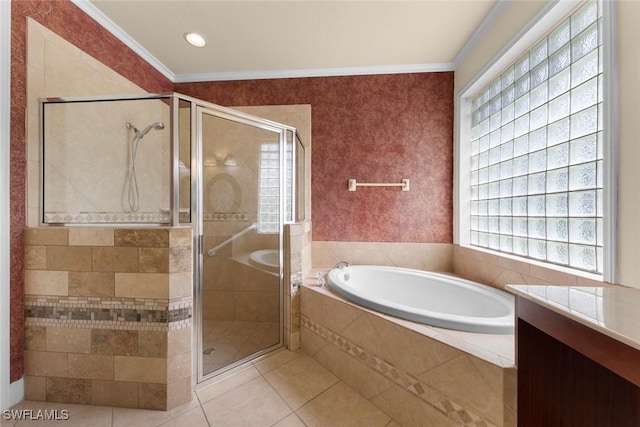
(537, 141)
(559, 37)
(557, 229)
(558, 156)
(558, 253)
(557, 205)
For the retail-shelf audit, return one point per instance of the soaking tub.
(429, 298)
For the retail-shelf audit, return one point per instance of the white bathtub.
(430, 298)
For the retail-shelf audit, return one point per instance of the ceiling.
(260, 39)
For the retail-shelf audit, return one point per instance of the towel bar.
(353, 184)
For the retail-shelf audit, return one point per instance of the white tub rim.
(504, 325)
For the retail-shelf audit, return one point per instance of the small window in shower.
(269, 203)
(106, 161)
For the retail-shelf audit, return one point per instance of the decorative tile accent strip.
(107, 217)
(112, 313)
(230, 216)
(414, 386)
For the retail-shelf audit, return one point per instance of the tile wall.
(421, 256)
(421, 377)
(499, 271)
(298, 251)
(108, 316)
(92, 43)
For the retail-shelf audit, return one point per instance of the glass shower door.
(240, 283)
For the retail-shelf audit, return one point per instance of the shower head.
(140, 134)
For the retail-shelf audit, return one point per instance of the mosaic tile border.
(414, 386)
(111, 313)
(106, 217)
(230, 216)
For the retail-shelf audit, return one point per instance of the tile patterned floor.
(285, 389)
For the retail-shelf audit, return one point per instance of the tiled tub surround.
(298, 251)
(108, 316)
(417, 374)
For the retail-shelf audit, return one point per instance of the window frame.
(540, 26)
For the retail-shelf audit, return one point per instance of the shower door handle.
(201, 244)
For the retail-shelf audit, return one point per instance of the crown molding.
(313, 72)
(87, 7)
(487, 23)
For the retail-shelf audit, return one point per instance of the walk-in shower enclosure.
(172, 161)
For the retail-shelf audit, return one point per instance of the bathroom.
(414, 229)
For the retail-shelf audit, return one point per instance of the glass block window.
(269, 191)
(536, 150)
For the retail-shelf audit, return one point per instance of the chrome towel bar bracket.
(353, 184)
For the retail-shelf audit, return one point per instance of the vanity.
(578, 356)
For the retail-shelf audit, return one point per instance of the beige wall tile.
(114, 393)
(154, 260)
(69, 390)
(408, 350)
(179, 341)
(142, 238)
(35, 388)
(179, 392)
(35, 257)
(409, 410)
(140, 369)
(45, 364)
(180, 237)
(46, 236)
(71, 340)
(315, 306)
(115, 259)
(113, 342)
(356, 374)
(90, 366)
(152, 396)
(472, 383)
(256, 306)
(180, 284)
(180, 259)
(91, 236)
(217, 305)
(179, 367)
(152, 343)
(35, 338)
(70, 258)
(42, 282)
(92, 284)
(142, 285)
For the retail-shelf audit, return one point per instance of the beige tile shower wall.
(421, 256)
(89, 154)
(233, 289)
(499, 271)
(413, 377)
(56, 68)
(108, 316)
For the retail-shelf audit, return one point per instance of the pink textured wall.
(379, 128)
(65, 19)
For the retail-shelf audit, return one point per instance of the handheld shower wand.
(138, 134)
(134, 194)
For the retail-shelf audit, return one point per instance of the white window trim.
(539, 26)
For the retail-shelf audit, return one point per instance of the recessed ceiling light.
(195, 39)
